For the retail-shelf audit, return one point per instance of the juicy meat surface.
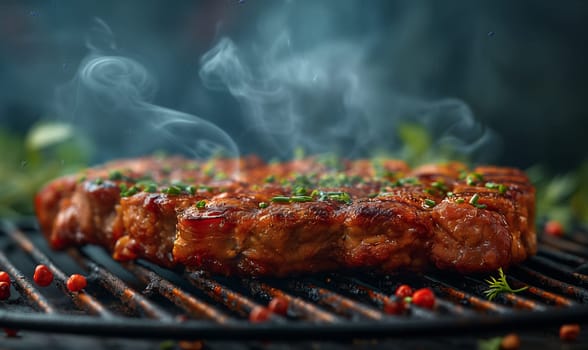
(246, 217)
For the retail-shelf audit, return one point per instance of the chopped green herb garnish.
(301, 199)
(270, 179)
(500, 285)
(303, 181)
(491, 185)
(299, 191)
(123, 187)
(430, 191)
(151, 188)
(285, 199)
(502, 189)
(82, 178)
(131, 191)
(474, 201)
(115, 175)
(494, 186)
(343, 197)
(372, 195)
(472, 178)
(430, 203)
(459, 201)
(201, 204)
(191, 189)
(172, 190)
(450, 194)
(263, 205)
(408, 180)
(98, 181)
(205, 188)
(281, 199)
(179, 184)
(439, 185)
(338, 180)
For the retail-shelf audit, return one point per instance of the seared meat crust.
(303, 216)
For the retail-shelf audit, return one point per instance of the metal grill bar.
(179, 297)
(82, 299)
(560, 270)
(335, 301)
(25, 286)
(306, 309)
(127, 295)
(339, 306)
(563, 257)
(514, 299)
(459, 296)
(229, 298)
(565, 288)
(565, 245)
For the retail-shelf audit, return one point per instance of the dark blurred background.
(309, 67)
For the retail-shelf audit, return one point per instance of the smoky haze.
(496, 80)
(108, 101)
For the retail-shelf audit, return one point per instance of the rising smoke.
(322, 96)
(108, 101)
(328, 95)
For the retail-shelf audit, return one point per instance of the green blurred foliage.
(490, 344)
(418, 147)
(561, 197)
(48, 150)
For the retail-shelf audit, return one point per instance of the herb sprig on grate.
(500, 285)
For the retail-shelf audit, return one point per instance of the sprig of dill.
(500, 285)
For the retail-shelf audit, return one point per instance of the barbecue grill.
(138, 299)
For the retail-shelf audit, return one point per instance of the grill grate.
(139, 299)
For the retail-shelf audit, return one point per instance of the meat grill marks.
(299, 217)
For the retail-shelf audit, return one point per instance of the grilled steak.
(302, 216)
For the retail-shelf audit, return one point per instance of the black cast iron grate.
(142, 300)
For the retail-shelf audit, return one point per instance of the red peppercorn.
(4, 290)
(10, 332)
(554, 228)
(259, 314)
(394, 307)
(279, 305)
(43, 276)
(76, 282)
(4, 277)
(569, 332)
(403, 291)
(424, 298)
(510, 341)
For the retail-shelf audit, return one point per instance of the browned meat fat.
(297, 217)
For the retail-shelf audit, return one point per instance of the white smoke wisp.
(109, 101)
(329, 99)
(307, 99)
(454, 127)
